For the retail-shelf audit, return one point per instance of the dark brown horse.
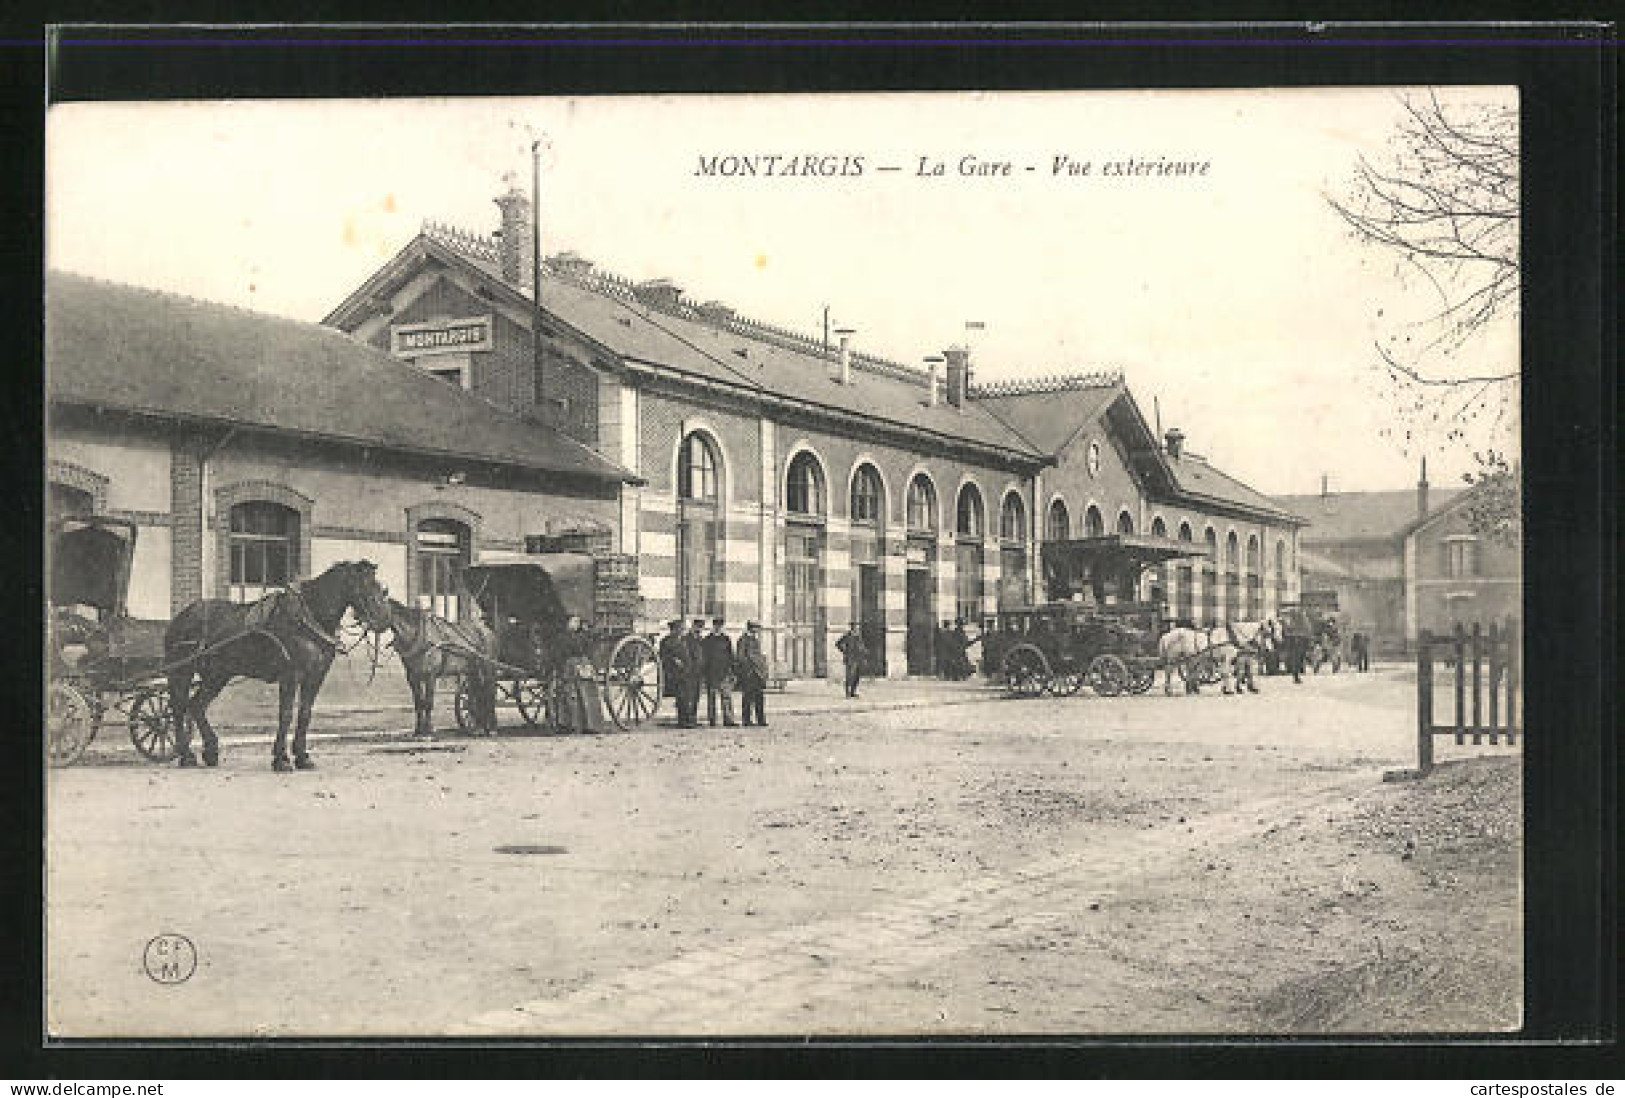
(286, 638)
(432, 648)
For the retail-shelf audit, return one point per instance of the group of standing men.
(695, 660)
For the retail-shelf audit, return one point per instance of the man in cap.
(751, 662)
(674, 667)
(717, 665)
(853, 653)
(694, 681)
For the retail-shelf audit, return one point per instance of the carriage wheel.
(150, 725)
(1108, 675)
(632, 682)
(531, 697)
(1141, 676)
(71, 721)
(1026, 671)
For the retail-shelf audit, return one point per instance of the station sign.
(439, 337)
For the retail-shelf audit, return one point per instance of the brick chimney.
(1175, 441)
(845, 354)
(571, 265)
(958, 359)
(1422, 491)
(514, 239)
(931, 364)
(716, 312)
(660, 293)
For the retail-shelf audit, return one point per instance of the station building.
(254, 451)
(805, 484)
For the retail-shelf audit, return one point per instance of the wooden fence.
(1488, 686)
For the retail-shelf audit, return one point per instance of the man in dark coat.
(675, 668)
(752, 669)
(694, 680)
(853, 653)
(717, 665)
(1360, 648)
(942, 646)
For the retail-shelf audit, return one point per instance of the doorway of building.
(922, 622)
(872, 617)
(803, 602)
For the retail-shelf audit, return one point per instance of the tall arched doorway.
(867, 508)
(921, 582)
(804, 611)
(699, 565)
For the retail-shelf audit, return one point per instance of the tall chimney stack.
(958, 359)
(514, 239)
(1422, 491)
(931, 364)
(845, 335)
(1175, 440)
(1325, 486)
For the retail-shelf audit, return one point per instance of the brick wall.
(186, 523)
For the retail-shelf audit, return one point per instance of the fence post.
(1460, 650)
(1515, 712)
(1478, 682)
(1497, 671)
(1424, 702)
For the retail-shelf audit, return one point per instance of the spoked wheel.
(71, 719)
(1141, 676)
(1108, 675)
(1026, 671)
(150, 725)
(632, 682)
(531, 697)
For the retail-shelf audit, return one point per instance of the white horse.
(1233, 647)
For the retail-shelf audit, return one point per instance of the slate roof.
(1345, 516)
(1049, 419)
(1194, 476)
(679, 339)
(139, 350)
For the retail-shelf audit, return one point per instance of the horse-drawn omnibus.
(1105, 610)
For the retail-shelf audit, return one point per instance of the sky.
(1236, 303)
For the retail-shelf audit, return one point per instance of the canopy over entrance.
(1107, 569)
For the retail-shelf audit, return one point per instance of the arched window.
(1013, 551)
(1125, 522)
(1232, 577)
(1255, 582)
(67, 500)
(804, 489)
(1012, 519)
(444, 549)
(699, 565)
(264, 540)
(868, 497)
(697, 470)
(922, 504)
(1060, 523)
(1094, 525)
(1159, 528)
(1210, 578)
(1185, 589)
(970, 522)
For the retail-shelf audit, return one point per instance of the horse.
(287, 638)
(431, 648)
(1226, 644)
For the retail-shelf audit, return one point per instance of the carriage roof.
(90, 562)
(547, 588)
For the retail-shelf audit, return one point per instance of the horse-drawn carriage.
(529, 606)
(100, 659)
(1094, 629)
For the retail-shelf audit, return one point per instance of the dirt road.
(1140, 865)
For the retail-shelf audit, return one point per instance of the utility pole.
(826, 329)
(536, 279)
